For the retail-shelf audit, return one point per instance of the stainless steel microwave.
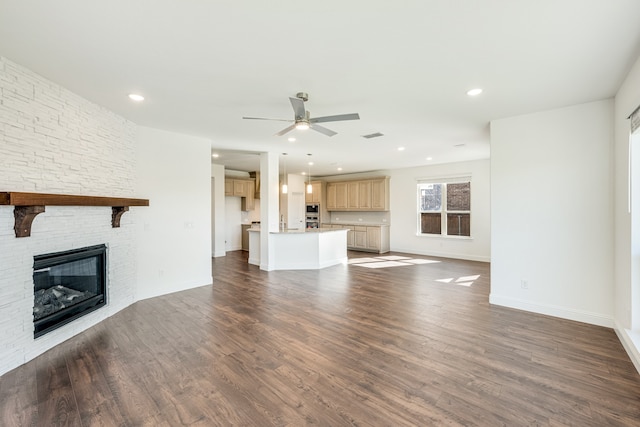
(313, 208)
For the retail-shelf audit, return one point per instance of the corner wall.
(552, 213)
(174, 234)
(627, 260)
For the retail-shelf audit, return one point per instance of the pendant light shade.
(285, 187)
(309, 186)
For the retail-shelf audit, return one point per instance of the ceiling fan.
(302, 120)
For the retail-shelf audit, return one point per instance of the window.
(445, 208)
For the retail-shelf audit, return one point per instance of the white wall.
(174, 237)
(404, 214)
(552, 212)
(627, 260)
(218, 225)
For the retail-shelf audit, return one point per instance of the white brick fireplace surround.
(53, 141)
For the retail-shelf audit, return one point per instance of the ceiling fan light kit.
(303, 120)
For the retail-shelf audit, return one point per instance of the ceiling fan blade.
(263, 118)
(298, 108)
(287, 129)
(336, 118)
(322, 129)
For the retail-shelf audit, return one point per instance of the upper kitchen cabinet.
(244, 188)
(316, 194)
(336, 196)
(380, 194)
(361, 195)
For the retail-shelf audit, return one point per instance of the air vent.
(373, 135)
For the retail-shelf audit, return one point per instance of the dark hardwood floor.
(346, 345)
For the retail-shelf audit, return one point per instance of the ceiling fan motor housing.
(302, 95)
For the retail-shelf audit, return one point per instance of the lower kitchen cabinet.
(368, 238)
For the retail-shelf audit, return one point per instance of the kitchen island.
(301, 249)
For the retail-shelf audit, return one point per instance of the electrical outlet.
(524, 284)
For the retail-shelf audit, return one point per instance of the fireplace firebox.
(67, 285)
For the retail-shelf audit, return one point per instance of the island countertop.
(299, 230)
(305, 230)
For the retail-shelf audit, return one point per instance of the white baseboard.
(219, 254)
(444, 255)
(631, 342)
(555, 311)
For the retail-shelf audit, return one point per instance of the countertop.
(364, 224)
(300, 231)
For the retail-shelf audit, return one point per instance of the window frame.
(443, 212)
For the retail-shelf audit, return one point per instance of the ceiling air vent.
(373, 135)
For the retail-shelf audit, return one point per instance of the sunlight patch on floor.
(388, 261)
(460, 281)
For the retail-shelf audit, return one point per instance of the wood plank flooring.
(343, 346)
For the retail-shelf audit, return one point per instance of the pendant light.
(309, 186)
(285, 187)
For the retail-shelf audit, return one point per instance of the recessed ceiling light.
(400, 148)
(339, 169)
(474, 92)
(292, 139)
(429, 158)
(310, 163)
(304, 173)
(215, 155)
(136, 97)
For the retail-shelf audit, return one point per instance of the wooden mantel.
(28, 205)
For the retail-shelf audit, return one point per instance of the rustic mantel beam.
(28, 205)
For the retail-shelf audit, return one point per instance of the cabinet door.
(364, 194)
(316, 196)
(380, 194)
(239, 187)
(248, 202)
(341, 195)
(373, 238)
(331, 196)
(360, 237)
(351, 241)
(228, 187)
(352, 195)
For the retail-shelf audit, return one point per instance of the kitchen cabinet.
(368, 238)
(316, 194)
(248, 202)
(244, 188)
(359, 237)
(366, 195)
(374, 236)
(380, 194)
(353, 199)
(240, 187)
(245, 236)
(336, 196)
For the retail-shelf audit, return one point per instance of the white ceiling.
(404, 66)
